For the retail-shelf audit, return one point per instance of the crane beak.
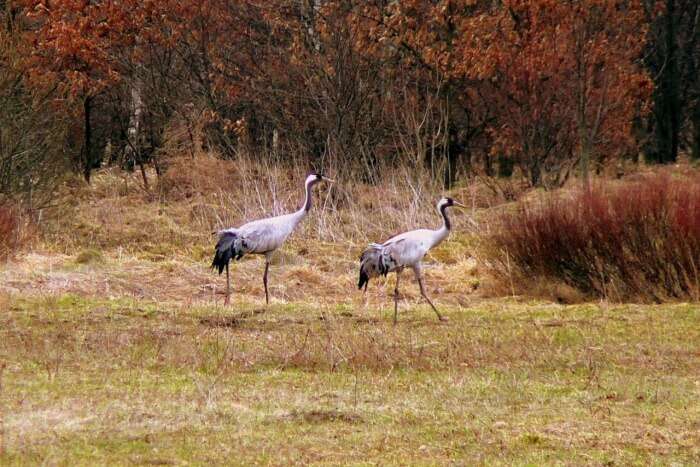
(459, 205)
(326, 179)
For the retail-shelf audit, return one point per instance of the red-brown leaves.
(558, 80)
(542, 83)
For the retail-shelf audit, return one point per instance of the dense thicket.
(33, 134)
(636, 239)
(530, 89)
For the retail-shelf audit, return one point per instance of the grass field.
(115, 348)
(109, 361)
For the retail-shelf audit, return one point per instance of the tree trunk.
(310, 9)
(535, 172)
(585, 168)
(667, 105)
(585, 159)
(87, 143)
(455, 148)
(134, 146)
(695, 142)
(144, 176)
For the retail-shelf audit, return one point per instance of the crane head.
(449, 202)
(317, 177)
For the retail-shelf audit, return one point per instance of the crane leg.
(267, 295)
(365, 296)
(396, 297)
(228, 287)
(422, 292)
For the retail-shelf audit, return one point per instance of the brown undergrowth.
(115, 237)
(628, 239)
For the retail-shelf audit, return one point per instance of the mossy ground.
(95, 380)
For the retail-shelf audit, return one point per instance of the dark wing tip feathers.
(225, 250)
(364, 279)
(372, 263)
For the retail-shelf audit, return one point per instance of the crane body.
(405, 250)
(261, 237)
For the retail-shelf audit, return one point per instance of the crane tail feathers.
(372, 264)
(227, 248)
(364, 279)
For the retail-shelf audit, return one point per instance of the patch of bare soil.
(322, 416)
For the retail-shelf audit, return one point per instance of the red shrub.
(631, 240)
(9, 231)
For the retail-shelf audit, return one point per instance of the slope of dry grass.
(116, 350)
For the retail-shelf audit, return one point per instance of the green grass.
(99, 381)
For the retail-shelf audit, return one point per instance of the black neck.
(443, 211)
(307, 201)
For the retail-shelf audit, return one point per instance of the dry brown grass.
(141, 242)
(123, 380)
(115, 211)
(326, 275)
(226, 193)
(117, 348)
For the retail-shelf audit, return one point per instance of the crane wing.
(408, 248)
(266, 235)
(377, 259)
(370, 264)
(257, 237)
(392, 253)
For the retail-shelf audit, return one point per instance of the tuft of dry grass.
(88, 256)
(230, 192)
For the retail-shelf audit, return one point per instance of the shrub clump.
(633, 240)
(10, 240)
(89, 256)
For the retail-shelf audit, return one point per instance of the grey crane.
(260, 237)
(405, 250)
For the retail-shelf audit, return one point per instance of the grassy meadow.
(115, 348)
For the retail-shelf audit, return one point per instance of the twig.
(2, 413)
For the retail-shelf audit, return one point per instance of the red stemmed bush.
(9, 231)
(632, 240)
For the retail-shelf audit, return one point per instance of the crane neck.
(306, 207)
(446, 220)
(441, 234)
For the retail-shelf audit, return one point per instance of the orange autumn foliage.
(548, 85)
(557, 80)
